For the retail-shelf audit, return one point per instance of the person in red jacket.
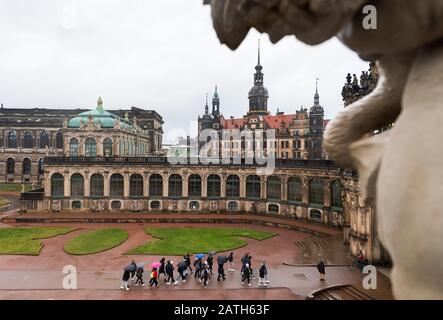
(154, 278)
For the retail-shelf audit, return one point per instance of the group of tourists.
(203, 271)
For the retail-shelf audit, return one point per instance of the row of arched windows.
(126, 148)
(175, 184)
(26, 166)
(28, 140)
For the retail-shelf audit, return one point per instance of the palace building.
(102, 177)
(297, 136)
(29, 135)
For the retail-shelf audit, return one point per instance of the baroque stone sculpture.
(400, 170)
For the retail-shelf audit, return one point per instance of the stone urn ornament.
(400, 170)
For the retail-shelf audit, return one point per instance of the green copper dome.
(99, 116)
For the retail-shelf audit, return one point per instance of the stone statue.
(400, 170)
(100, 102)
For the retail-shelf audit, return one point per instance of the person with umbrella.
(154, 278)
(169, 269)
(198, 264)
(244, 261)
(221, 260)
(134, 271)
(246, 275)
(126, 276)
(139, 274)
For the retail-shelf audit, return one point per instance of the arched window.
(77, 185)
(10, 166)
(117, 185)
(295, 193)
(28, 140)
(253, 187)
(73, 147)
(12, 139)
(232, 206)
(107, 147)
(194, 185)
(273, 208)
(316, 195)
(91, 147)
(26, 166)
(59, 140)
(175, 186)
(336, 194)
(57, 186)
(97, 185)
(273, 188)
(44, 140)
(214, 185)
(155, 185)
(136, 186)
(194, 205)
(41, 166)
(233, 186)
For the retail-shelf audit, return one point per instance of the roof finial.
(258, 62)
(206, 105)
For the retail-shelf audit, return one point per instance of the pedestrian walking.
(188, 262)
(125, 279)
(221, 272)
(134, 271)
(210, 262)
(246, 275)
(205, 275)
(169, 269)
(181, 268)
(154, 278)
(244, 261)
(161, 270)
(198, 264)
(139, 275)
(231, 262)
(263, 274)
(250, 266)
(321, 270)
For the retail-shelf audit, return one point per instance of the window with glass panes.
(253, 187)
(295, 193)
(214, 186)
(194, 185)
(316, 192)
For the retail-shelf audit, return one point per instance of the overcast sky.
(154, 54)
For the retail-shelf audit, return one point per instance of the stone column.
(165, 185)
(185, 177)
(87, 184)
(327, 193)
(223, 185)
(47, 185)
(243, 186)
(146, 185)
(263, 193)
(204, 185)
(126, 185)
(67, 184)
(284, 188)
(106, 184)
(305, 190)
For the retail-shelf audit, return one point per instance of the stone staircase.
(339, 292)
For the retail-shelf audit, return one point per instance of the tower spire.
(316, 96)
(206, 105)
(258, 60)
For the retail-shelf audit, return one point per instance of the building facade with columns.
(27, 136)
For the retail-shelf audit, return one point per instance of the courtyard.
(291, 257)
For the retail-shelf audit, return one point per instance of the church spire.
(258, 76)
(316, 96)
(258, 60)
(206, 105)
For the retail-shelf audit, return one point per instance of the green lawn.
(179, 241)
(96, 241)
(17, 187)
(26, 241)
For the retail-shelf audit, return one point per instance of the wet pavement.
(99, 275)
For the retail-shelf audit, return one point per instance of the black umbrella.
(222, 259)
(130, 267)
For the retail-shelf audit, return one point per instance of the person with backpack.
(154, 278)
(246, 275)
(181, 268)
(139, 275)
(135, 270)
(244, 261)
(262, 274)
(169, 269)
